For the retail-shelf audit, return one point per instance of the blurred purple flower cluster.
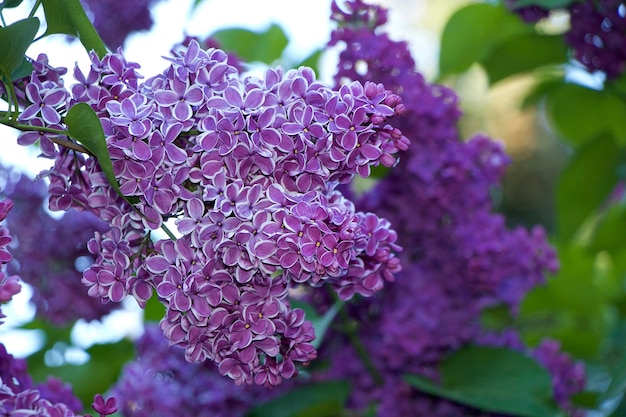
(116, 19)
(51, 253)
(20, 397)
(459, 257)
(9, 284)
(161, 383)
(248, 169)
(597, 33)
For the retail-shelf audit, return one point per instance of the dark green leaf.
(57, 18)
(14, 41)
(547, 4)
(7, 4)
(471, 32)
(24, 70)
(68, 17)
(578, 113)
(252, 46)
(84, 126)
(522, 53)
(494, 380)
(586, 399)
(325, 399)
(585, 183)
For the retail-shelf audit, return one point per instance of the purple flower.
(45, 103)
(182, 97)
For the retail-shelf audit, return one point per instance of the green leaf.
(311, 61)
(320, 323)
(154, 309)
(93, 377)
(495, 380)
(68, 17)
(608, 233)
(84, 126)
(7, 4)
(578, 113)
(252, 46)
(546, 4)
(522, 53)
(544, 84)
(585, 183)
(325, 399)
(57, 18)
(14, 41)
(24, 70)
(471, 33)
(571, 307)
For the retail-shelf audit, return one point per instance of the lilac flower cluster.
(51, 253)
(161, 383)
(116, 19)
(9, 284)
(597, 33)
(20, 397)
(248, 169)
(458, 258)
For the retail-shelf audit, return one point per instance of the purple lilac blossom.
(116, 19)
(9, 284)
(248, 169)
(51, 253)
(20, 397)
(597, 32)
(598, 35)
(458, 257)
(161, 383)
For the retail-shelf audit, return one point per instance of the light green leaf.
(84, 126)
(471, 33)
(578, 113)
(608, 233)
(495, 380)
(522, 53)
(585, 183)
(252, 46)
(571, 307)
(93, 377)
(14, 41)
(325, 399)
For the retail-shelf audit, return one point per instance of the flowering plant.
(225, 200)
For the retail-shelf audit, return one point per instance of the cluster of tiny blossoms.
(459, 257)
(247, 168)
(51, 253)
(597, 33)
(9, 285)
(114, 27)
